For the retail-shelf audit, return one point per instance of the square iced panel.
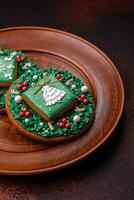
(49, 97)
(8, 70)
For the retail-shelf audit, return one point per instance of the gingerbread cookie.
(12, 65)
(8, 70)
(50, 105)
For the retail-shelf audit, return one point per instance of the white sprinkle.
(76, 118)
(45, 74)
(69, 81)
(14, 53)
(26, 65)
(50, 126)
(46, 130)
(84, 89)
(26, 120)
(79, 109)
(18, 99)
(14, 91)
(35, 77)
(41, 124)
(73, 87)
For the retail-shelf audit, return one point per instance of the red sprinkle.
(58, 76)
(68, 125)
(19, 86)
(25, 83)
(83, 96)
(64, 120)
(24, 88)
(18, 58)
(85, 101)
(22, 114)
(27, 114)
(61, 125)
(25, 110)
(22, 59)
(60, 79)
(80, 99)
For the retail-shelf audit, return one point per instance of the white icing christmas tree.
(52, 95)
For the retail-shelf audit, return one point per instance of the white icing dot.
(26, 120)
(8, 75)
(18, 99)
(29, 71)
(45, 74)
(14, 53)
(8, 58)
(84, 89)
(73, 87)
(35, 77)
(41, 123)
(10, 66)
(76, 118)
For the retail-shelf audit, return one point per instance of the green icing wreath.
(35, 120)
(21, 70)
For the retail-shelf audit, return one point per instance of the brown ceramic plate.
(48, 47)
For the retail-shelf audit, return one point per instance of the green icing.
(3, 92)
(7, 69)
(35, 96)
(34, 120)
(22, 67)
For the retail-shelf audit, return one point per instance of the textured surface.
(108, 174)
(8, 70)
(38, 100)
(91, 66)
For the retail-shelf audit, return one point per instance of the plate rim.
(91, 151)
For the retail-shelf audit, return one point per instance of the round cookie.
(54, 107)
(23, 64)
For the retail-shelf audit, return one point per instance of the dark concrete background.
(109, 173)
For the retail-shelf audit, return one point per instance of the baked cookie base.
(35, 127)
(33, 136)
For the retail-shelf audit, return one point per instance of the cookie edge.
(33, 136)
